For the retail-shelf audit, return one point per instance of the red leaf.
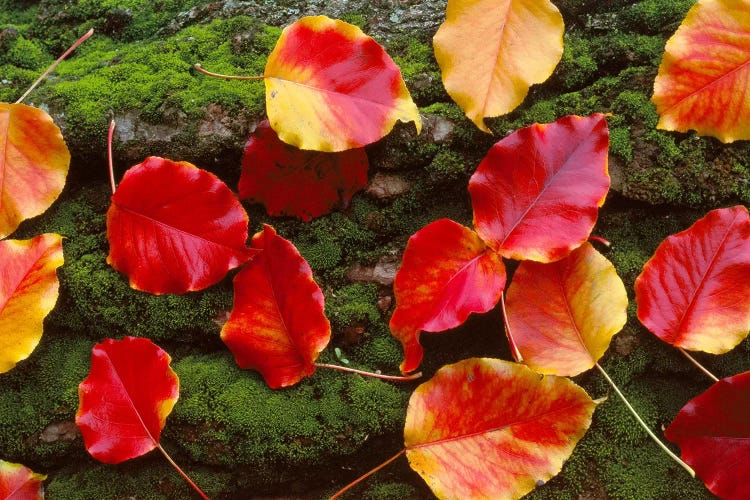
(277, 325)
(446, 274)
(291, 181)
(330, 87)
(537, 193)
(174, 228)
(694, 293)
(486, 428)
(20, 483)
(125, 400)
(713, 432)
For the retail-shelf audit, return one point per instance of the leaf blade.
(126, 398)
(291, 181)
(537, 193)
(34, 161)
(277, 325)
(704, 73)
(465, 445)
(28, 292)
(447, 273)
(713, 433)
(693, 291)
(330, 87)
(491, 52)
(173, 228)
(562, 316)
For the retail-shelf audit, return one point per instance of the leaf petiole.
(516, 353)
(200, 69)
(698, 365)
(404, 378)
(643, 424)
(182, 473)
(54, 64)
(110, 134)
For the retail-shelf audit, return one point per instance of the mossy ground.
(233, 434)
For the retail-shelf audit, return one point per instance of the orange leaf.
(486, 428)
(562, 316)
(28, 292)
(705, 72)
(18, 482)
(34, 162)
(491, 51)
(330, 87)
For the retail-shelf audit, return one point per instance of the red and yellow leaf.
(491, 51)
(705, 72)
(537, 193)
(126, 398)
(713, 433)
(330, 87)
(277, 325)
(694, 293)
(291, 181)
(447, 273)
(18, 482)
(34, 163)
(174, 228)
(562, 316)
(28, 292)
(486, 428)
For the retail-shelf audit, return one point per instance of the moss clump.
(447, 166)
(40, 391)
(577, 66)
(354, 305)
(229, 416)
(148, 478)
(654, 16)
(389, 491)
(419, 69)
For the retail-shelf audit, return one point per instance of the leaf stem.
(366, 475)
(54, 64)
(182, 473)
(110, 134)
(226, 77)
(405, 378)
(698, 365)
(513, 347)
(601, 240)
(643, 424)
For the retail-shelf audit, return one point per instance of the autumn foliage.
(481, 427)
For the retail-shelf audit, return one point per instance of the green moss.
(234, 418)
(620, 143)
(354, 305)
(25, 54)
(156, 78)
(419, 69)
(577, 66)
(654, 16)
(38, 392)
(636, 107)
(149, 478)
(447, 166)
(389, 491)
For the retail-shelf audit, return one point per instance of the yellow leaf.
(28, 292)
(34, 162)
(491, 51)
